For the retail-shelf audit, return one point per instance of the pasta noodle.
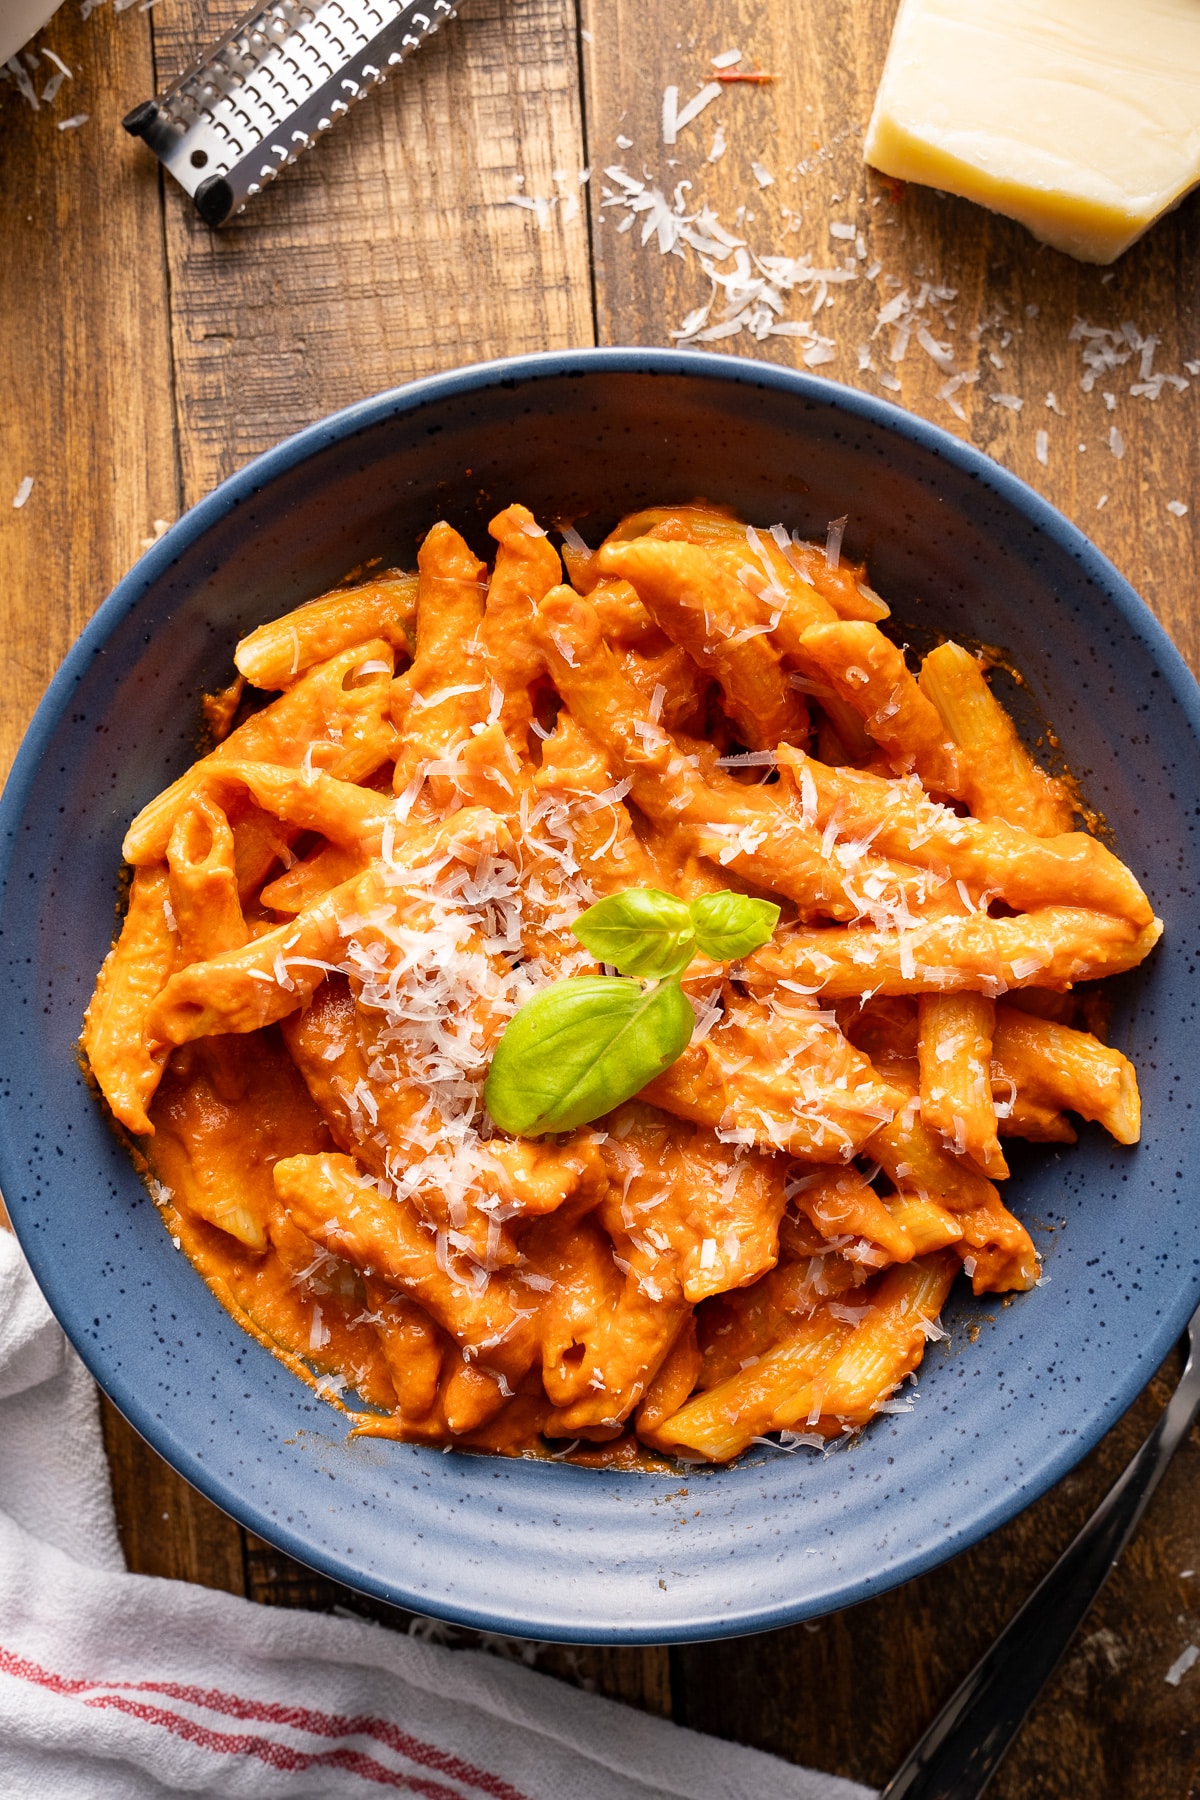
(335, 914)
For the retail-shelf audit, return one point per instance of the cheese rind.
(1079, 118)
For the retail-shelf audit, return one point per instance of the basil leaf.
(729, 926)
(641, 932)
(580, 1047)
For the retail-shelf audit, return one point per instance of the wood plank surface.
(84, 352)
(1014, 302)
(146, 358)
(85, 356)
(852, 1693)
(390, 251)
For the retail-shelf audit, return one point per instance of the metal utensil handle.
(964, 1746)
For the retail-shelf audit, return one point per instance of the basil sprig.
(583, 1045)
(648, 933)
(641, 932)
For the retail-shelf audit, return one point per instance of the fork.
(963, 1748)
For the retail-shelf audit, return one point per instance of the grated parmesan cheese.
(675, 117)
(541, 205)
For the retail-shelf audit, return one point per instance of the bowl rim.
(361, 415)
(1004, 1504)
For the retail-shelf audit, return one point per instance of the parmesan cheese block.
(1080, 118)
(19, 20)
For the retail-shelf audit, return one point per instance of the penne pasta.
(441, 695)
(1024, 1118)
(929, 1226)
(822, 919)
(137, 968)
(772, 1394)
(279, 652)
(781, 1076)
(993, 859)
(275, 974)
(842, 1202)
(674, 1381)
(1063, 1070)
(333, 1205)
(527, 567)
(1002, 780)
(203, 883)
(882, 1350)
(735, 827)
(334, 718)
(868, 673)
(996, 1250)
(954, 1048)
(1054, 946)
(722, 626)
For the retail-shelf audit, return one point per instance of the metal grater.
(270, 88)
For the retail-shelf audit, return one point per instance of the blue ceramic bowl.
(545, 1549)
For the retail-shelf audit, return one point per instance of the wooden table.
(142, 358)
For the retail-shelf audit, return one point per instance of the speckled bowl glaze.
(956, 544)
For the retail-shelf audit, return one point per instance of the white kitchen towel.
(124, 1687)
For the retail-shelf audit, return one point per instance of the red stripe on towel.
(323, 1724)
(283, 1757)
(280, 1756)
